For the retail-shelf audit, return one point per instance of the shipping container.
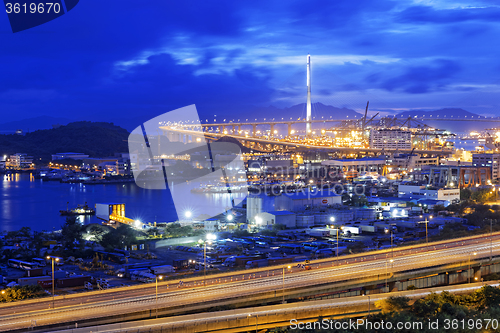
(162, 269)
(180, 263)
(30, 281)
(280, 260)
(74, 281)
(45, 283)
(257, 263)
(34, 272)
(351, 230)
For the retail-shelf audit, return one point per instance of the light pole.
(491, 239)
(469, 264)
(391, 260)
(209, 237)
(392, 247)
(160, 277)
(256, 322)
(368, 304)
(337, 252)
(53, 287)
(283, 288)
(426, 234)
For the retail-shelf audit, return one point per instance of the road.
(137, 298)
(296, 144)
(270, 311)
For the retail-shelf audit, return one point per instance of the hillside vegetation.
(93, 138)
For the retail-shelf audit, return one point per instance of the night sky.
(108, 60)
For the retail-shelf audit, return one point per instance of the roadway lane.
(347, 269)
(269, 311)
(149, 289)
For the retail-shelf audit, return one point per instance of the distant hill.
(448, 112)
(93, 138)
(33, 124)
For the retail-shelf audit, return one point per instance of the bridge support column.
(220, 129)
(239, 129)
(254, 130)
(272, 130)
(289, 129)
(234, 129)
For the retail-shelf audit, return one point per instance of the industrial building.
(73, 156)
(301, 209)
(455, 176)
(390, 139)
(427, 192)
(283, 217)
(488, 160)
(19, 161)
(359, 165)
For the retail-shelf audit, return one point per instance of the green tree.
(393, 304)
(120, 237)
(465, 194)
(72, 234)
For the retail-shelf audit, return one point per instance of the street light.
(53, 287)
(160, 277)
(469, 265)
(256, 322)
(337, 252)
(491, 238)
(368, 304)
(391, 260)
(284, 283)
(188, 214)
(210, 238)
(229, 217)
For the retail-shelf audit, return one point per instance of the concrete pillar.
(289, 129)
(220, 129)
(272, 130)
(254, 130)
(239, 129)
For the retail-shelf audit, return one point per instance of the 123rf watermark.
(357, 324)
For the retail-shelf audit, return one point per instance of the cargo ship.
(79, 210)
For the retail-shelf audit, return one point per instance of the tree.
(482, 195)
(72, 234)
(487, 297)
(438, 208)
(465, 194)
(393, 304)
(120, 237)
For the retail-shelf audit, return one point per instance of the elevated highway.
(255, 286)
(271, 316)
(275, 144)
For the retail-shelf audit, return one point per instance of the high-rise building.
(487, 160)
(390, 139)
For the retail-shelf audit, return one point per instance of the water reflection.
(31, 202)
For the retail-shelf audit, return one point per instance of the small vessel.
(79, 210)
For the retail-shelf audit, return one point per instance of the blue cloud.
(227, 55)
(428, 14)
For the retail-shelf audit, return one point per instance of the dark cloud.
(427, 14)
(418, 79)
(67, 67)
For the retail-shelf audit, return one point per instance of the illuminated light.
(332, 218)
(258, 220)
(229, 217)
(188, 214)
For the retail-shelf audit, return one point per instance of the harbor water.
(26, 201)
